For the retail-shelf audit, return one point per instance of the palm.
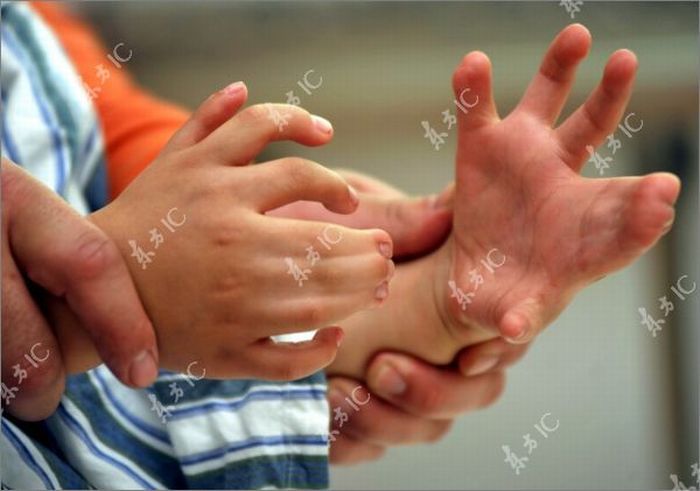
(519, 194)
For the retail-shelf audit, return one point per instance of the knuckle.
(93, 254)
(229, 232)
(380, 267)
(254, 114)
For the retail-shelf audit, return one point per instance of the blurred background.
(627, 402)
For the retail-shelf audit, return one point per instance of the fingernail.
(389, 382)
(382, 291)
(143, 370)
(483, 365)
(322, 124)
(353, 195)
(392, 270)
(234, 88)
(516, 339)
(386, 249)
(339, 335)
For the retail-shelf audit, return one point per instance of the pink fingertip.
(514, 327)
(234, 89)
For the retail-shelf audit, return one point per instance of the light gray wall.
(627, 402)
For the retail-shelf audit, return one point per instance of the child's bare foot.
(521, 202)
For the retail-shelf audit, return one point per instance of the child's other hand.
(221, 279)
(519, 193)
(417, 225)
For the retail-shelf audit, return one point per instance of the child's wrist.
(460, 328)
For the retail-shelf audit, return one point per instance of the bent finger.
(292, 361)
(32, 367)
(428, 391)
(211, 114)
(84, 266)
(243, 137)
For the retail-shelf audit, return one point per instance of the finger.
(416, 225)
(472, 87)
(312, 311)
(211, 114)
(629, 216)
(29, 350)
(425, 390)
(489, 356)
(370, 185)
(346, 450)
(242, 138)
(374, 421)
(624, 218)
(547, 93)
(320, 273)
(292, 361)
(84, 266)
(294, 179)
(597, 117)
(296, 238)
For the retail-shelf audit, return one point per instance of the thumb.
(416, 225)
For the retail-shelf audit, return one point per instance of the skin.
(518, 189)
(617, 220)
(217, 289)
(501, 173)
(82, 267)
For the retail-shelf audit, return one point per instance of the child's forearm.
(412, 320)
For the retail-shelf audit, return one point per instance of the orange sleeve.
(135, 124)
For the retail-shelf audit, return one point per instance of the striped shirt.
(182, 432)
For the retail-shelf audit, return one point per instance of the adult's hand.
(412, 401)
(47, 242)
(417, 225)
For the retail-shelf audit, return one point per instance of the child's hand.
(219, 283)
(520, 195)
